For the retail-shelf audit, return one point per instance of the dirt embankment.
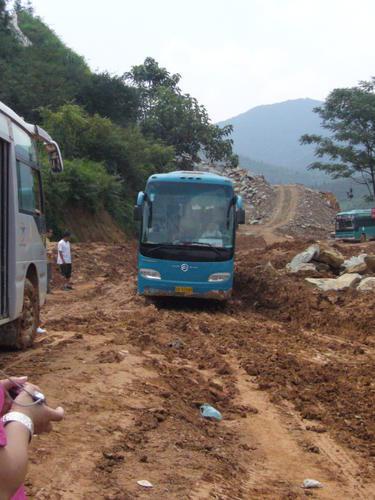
(86, 226)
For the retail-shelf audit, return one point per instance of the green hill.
(114, 131)
(45, 73)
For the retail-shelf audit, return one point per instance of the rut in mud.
(290, 369)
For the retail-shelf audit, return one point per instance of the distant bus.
(23, 267)
(187, 236)
(356, 225)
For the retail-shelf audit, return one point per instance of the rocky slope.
(313, 215)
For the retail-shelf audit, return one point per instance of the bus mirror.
(141, 198)
(137, 214)
(240, 216)
(54, 157)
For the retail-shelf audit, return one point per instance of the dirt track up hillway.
(290, 369)
(287, 197)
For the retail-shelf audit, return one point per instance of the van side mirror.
(137, 213)
(240, 216)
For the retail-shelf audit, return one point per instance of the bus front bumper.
(345, 237)
(185, 279)
(204, 294)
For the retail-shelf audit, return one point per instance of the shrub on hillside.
(83, 184)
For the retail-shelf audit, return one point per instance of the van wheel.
(20, 334)
(363, 238)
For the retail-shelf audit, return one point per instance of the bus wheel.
(363, 238)
(29, 320)
(20, 334)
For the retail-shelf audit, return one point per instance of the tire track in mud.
(138, 417)
(282, 463)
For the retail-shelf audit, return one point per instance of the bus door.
(4, 226)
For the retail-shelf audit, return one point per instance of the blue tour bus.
(357, 225)
(188, 223)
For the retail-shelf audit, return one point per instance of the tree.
(125, 152)
(348, 115)
(110, 97)
(45, 74)
(4, 15)
(106, 164)
(148, 78)
(18, 6)
(176, 118)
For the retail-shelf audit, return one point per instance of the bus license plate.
(185, 290)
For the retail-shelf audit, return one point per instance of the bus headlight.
(150, 274)
(219, 277)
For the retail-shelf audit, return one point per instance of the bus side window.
(29, 193)
(25, 146)
(4, 126)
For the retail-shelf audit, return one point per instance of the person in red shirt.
(19, 419)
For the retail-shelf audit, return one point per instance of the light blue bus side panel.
(26, 247)
(30, 249)
(345, 235)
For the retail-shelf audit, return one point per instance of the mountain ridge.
(269, 105)
(271, 132)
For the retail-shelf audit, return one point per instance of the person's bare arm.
(13, 459)
(14, 456)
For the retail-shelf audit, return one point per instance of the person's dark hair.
(66, 234)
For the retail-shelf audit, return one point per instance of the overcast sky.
(232, 55)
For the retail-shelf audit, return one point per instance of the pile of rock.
(322, 259)
(258, 194)
(315, 215)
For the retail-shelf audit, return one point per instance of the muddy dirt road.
(290, 368)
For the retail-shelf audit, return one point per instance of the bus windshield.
(183, 214)
(344, 223)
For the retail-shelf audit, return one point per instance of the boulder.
(299, 261)
(370, 262)
(367, 285)
(337, 284)
(360, 268)
(331, 257)
(304, 267)
(356, 264)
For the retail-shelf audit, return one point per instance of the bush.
(107, 164)
(83, 184)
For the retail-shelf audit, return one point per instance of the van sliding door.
(4, 227)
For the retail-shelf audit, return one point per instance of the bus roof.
(34, 130)
(366, 212)
(191, 176)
